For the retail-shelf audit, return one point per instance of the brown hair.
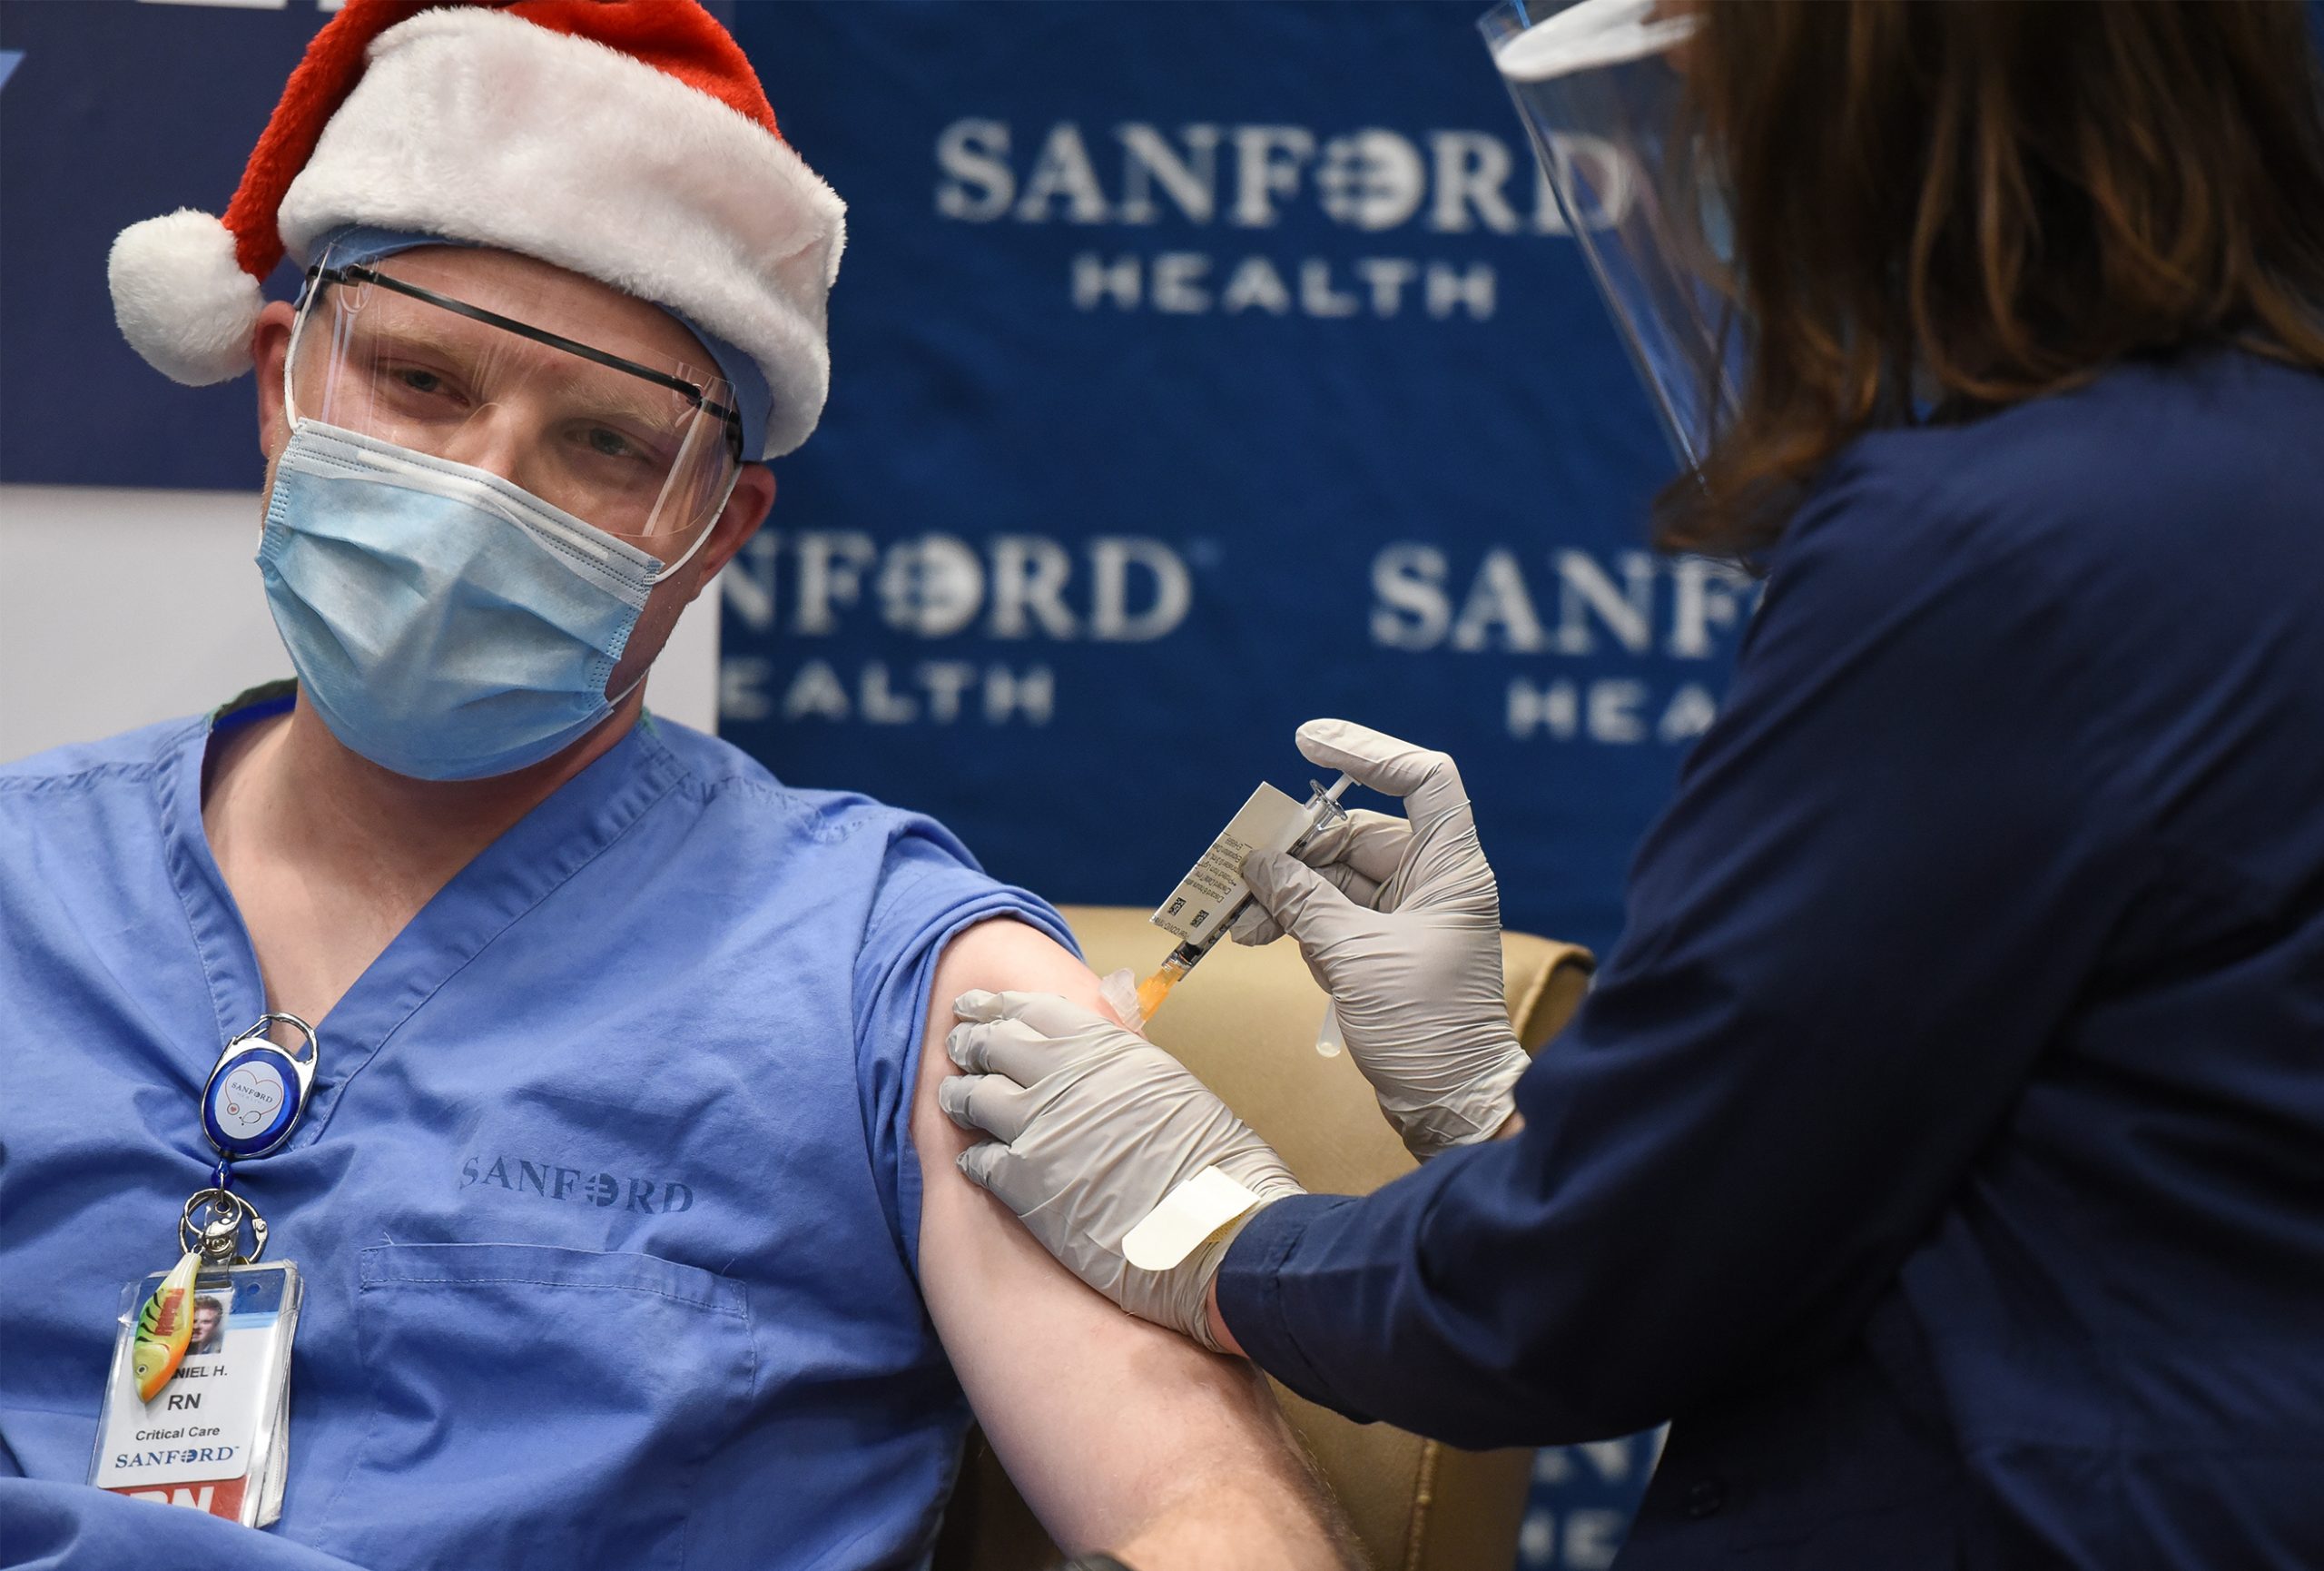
(1944, 207)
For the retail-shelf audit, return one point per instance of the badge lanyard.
(251, 1103)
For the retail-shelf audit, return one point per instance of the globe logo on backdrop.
(932, 586)
(1371, 179)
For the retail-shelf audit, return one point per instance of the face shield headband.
(1599, 86)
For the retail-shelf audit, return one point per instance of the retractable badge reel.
(251, 1103)
(214, 1331)
(257, 1089)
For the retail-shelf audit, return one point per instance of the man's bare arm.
(1121, 1436)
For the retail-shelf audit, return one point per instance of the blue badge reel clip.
(256, 1091)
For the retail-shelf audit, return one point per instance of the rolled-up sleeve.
(930, 889)
(1888, 869)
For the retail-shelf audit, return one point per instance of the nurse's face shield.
(612, 431)
(1598, 85)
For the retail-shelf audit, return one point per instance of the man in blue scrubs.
(628, 1224)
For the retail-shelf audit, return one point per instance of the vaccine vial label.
(1209, 896)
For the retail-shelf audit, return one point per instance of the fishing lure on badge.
(165, 1328)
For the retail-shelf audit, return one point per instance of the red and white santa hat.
(625, 140)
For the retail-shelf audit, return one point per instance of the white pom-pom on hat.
(182, 299)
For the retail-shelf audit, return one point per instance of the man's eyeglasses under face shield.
(628, 441)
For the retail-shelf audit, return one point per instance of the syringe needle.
(1152, 991)
(1157, 987)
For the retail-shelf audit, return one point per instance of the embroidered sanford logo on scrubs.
(547, 1180)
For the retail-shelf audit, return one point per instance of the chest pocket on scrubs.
(535, 1406)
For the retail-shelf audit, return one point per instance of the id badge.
(215, 1435)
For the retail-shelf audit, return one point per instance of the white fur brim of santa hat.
(478, 125)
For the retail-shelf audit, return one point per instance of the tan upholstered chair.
(1245, 1022)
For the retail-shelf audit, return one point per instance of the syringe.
(1321, 808)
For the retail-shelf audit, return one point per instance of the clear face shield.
(1599, 86)
(612, 431)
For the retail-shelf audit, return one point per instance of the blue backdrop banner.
(1198, 369)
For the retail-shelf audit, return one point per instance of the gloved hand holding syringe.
(1208, 899)
(1399, 919)
(1125, 1165)
(1121, 1161)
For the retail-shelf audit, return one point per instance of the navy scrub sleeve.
(1943, 1147)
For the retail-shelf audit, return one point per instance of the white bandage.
(1187, 1216)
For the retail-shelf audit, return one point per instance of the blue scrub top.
(605, 1201)
(1942, 1146)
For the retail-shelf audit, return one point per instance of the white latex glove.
(1400, 922)
(1092, 1127)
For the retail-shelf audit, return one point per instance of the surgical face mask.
(446, 623)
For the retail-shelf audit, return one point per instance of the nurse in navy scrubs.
(1942, 1150)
